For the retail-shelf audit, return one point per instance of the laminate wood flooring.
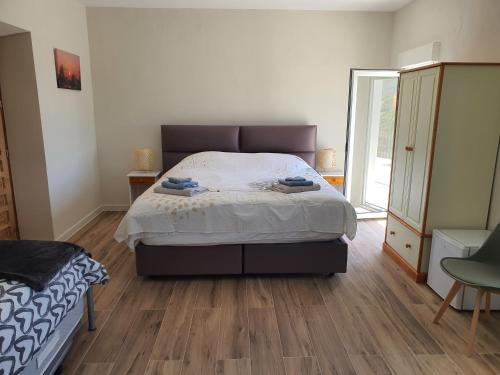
(371, 320)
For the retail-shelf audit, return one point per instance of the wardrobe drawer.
(404, 241)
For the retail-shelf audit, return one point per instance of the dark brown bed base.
(179, 141)
(284, 258)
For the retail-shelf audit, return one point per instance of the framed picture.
(67, 70)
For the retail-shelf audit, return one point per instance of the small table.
(140, 181)
(334, 178)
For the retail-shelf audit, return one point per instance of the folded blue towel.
(179, 186)
(178, 180)
(295, 183)
(297, 178)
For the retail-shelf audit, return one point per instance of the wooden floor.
(371, 320)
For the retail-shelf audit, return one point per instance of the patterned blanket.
(28, 318)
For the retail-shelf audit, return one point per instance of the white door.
(419, 154)
(407, 85)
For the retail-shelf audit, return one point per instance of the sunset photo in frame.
(67, 70)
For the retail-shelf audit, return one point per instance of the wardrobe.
(444, 156)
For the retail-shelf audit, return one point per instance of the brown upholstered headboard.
(179, 141)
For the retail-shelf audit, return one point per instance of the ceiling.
(344, 5)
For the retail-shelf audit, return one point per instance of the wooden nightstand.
(140, 181)
(334, 178)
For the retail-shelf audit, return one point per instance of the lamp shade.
(327, 159)
(144, 159)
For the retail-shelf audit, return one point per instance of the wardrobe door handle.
(392, 233)
(408, 246)
(409, 148)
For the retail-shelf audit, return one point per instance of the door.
(8, 221)
(419, 153)
(404, 122)
(370, 131)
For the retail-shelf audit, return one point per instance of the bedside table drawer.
(404, 241)
(141, 180)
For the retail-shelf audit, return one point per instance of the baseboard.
(68, 233)
(418, 277)
(115, 207)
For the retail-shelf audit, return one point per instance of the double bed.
(240, 226)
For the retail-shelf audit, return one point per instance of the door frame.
(7, 158)
(351, 109)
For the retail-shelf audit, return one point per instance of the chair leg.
(475, 321)
(451, 294)
(487, 305)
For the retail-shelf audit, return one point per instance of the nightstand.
(140, 181)
(334, 178)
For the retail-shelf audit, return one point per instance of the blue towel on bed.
(180, 185)
(295, 182)
(296, 178)
(179, 180)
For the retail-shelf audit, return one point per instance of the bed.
(36, 328)
(240, 226)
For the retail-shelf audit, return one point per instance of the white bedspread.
(239, 204)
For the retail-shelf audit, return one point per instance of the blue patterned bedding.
(28, 318)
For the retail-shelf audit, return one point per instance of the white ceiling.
(345, 5)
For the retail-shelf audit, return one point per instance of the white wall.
(197, 66)
(153, 67)
(67, 117)
(468, 30)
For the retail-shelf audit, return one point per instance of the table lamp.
(327, 159)
(144, 159)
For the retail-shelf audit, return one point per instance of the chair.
(480, 271)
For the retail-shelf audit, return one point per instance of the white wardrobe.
(445, 147)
